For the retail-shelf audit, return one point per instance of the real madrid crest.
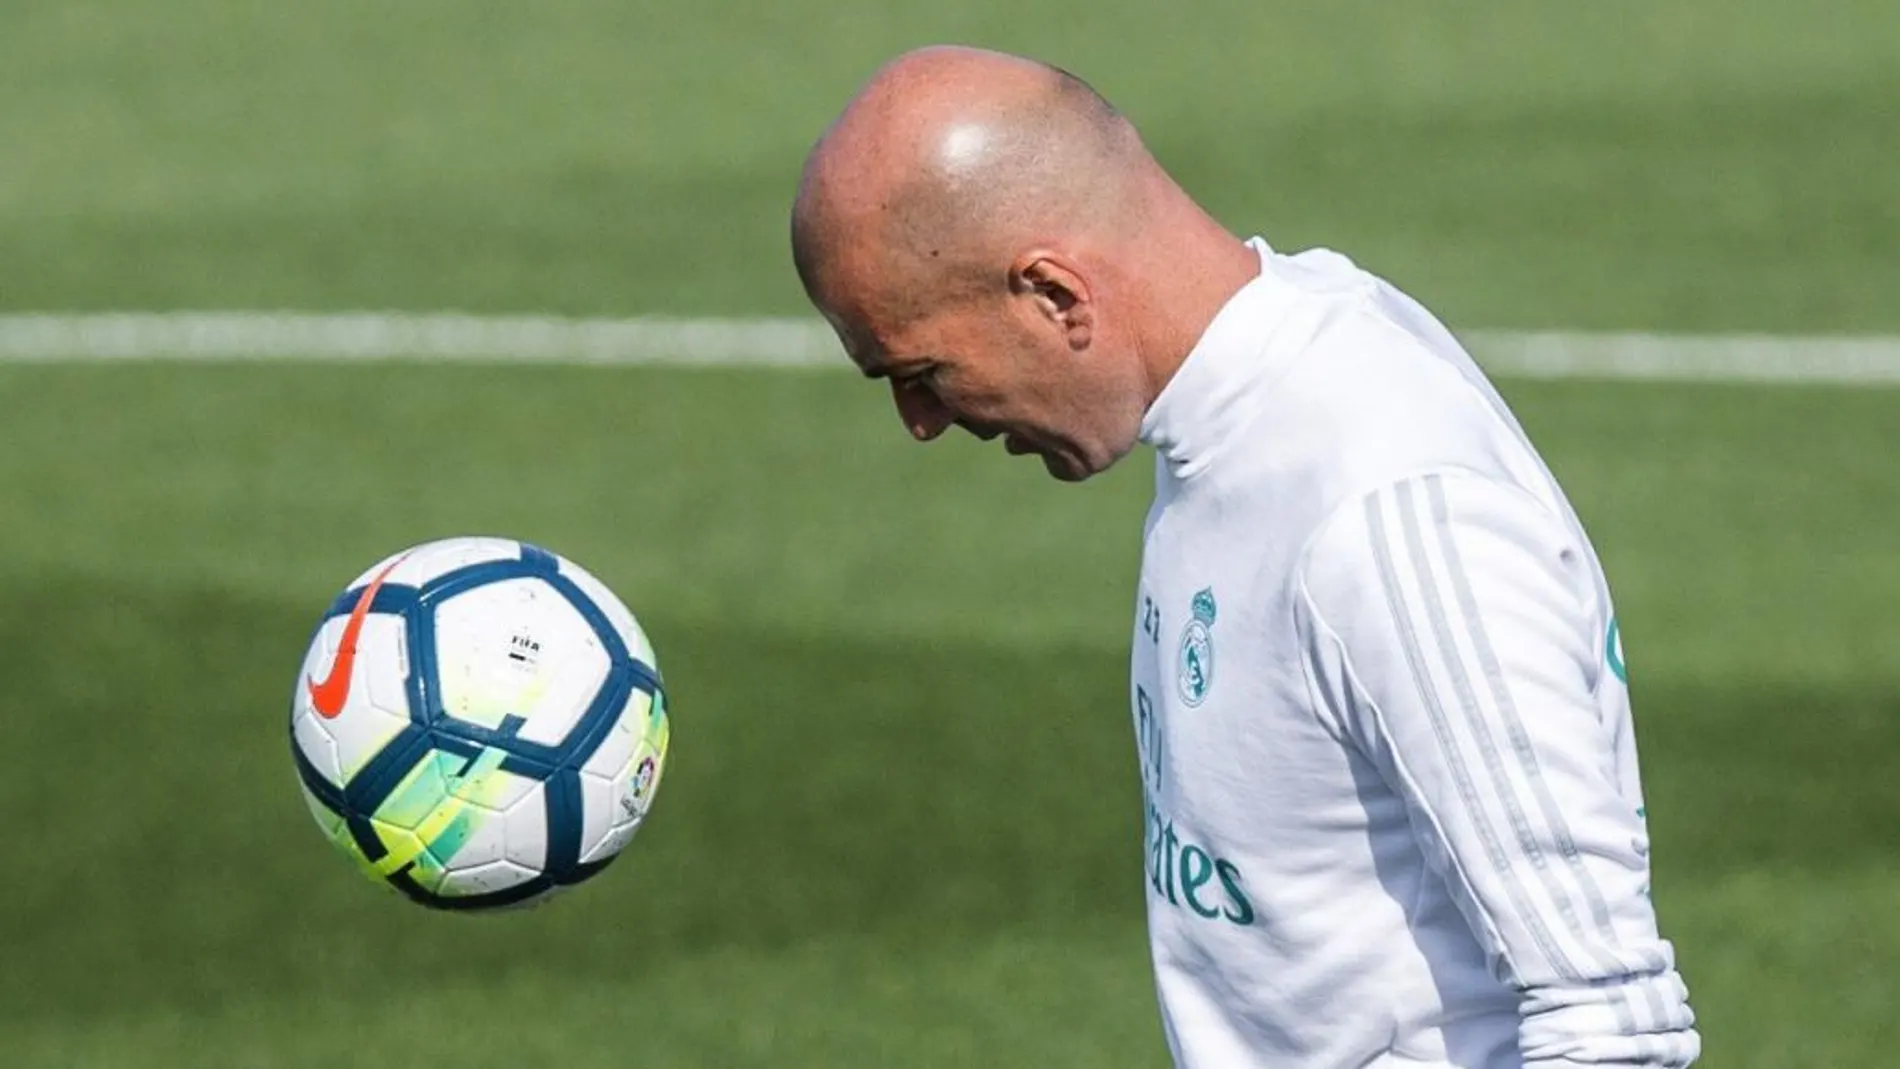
(1195, 665)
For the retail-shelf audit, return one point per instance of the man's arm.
(1451, 629)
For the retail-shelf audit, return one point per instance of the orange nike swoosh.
(333, 693)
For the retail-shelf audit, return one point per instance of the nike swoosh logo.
(331, 695)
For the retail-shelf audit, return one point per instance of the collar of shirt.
(1216, 389)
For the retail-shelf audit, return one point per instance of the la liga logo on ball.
(641, 786)
(479, 723)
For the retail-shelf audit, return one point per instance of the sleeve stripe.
(1529, 917)
(1506, 706)
(1476, 723)
(1520, 744)
(1479, 725)
(1489, 782)
(1533, 904)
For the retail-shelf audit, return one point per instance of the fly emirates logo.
(1184, 874)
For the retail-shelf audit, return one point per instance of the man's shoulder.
(1376, 391)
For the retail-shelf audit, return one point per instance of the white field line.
(804, 342)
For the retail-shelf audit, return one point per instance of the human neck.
(1193, 276)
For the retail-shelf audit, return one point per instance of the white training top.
(1394, 817)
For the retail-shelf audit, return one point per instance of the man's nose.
(924, 415)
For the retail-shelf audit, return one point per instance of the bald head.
(989, 235)
(948, 155)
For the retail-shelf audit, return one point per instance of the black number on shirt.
(1151, 619)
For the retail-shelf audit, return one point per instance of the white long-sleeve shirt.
(1394, 816)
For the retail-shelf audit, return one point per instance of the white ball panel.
(316, 744)
(488, 799)
(604, 784)
(618, 784)
(616, 750)
(487, 839)
(484, 879)
(616, 611)
(526, 826)
(498, 791)
(597, 799)
(432, 560)
(382, 664)
(615, 841)
(377, 707)
(517, 648)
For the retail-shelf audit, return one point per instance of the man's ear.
(1058, 293)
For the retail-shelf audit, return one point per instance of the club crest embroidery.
(1195, 667)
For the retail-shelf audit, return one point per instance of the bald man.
(1393, 810)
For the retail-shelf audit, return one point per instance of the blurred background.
(902, 823)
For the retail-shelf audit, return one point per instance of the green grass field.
(902, 822)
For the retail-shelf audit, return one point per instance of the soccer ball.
(479, 723)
